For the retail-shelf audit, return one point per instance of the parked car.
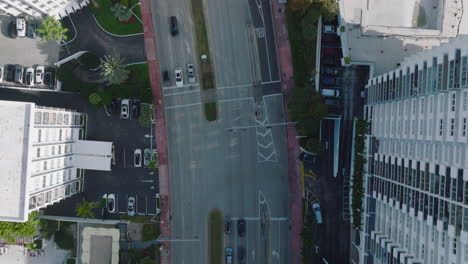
(19, 71)
(137, 158)
(191, 73)
(328, 81)
(173, 25)
(48, 78)
(329, 29)
(241, 227)
(21, 27)
(318, 213)
(146, 157)
(124, 109)
(131, 206)
(331, 51)
(31, 29)
(111, 203)
(332, 102)
(178, 77)
(241, 255)
(12, 32)
(29, 77)
(2, 70)
(40, 74)
(228, 253)
(166, 78)
(330, 93)
(136, 107)
(330, 71)
(227, 225)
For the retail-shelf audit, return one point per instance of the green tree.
(94, 99)
(113, 69)
(85, 209)
(122, 13)
(52, 29)
(11, 230)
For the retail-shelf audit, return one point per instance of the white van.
(318, 213)
(330, 93)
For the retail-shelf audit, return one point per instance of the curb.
(119, 36)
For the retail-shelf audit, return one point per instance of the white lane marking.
(179, 106)
(186, 92)
(180, 87)
(258, 218)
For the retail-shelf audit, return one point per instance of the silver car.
(191, 73)
(131, 206)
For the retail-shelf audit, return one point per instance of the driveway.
(90, 37)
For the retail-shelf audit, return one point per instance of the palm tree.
(52, 29)
(113, 69)
(85, 209)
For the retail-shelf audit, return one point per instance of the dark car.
(174, 27)
(31, 29)
(241, 227)
(115, 106)
(241, 254)
(328, 81)
(227, 225)
(166, 78)
(330, 71)
(12, 32)
(136, 107)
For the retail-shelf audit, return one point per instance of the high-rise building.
(43, 155)
(37, 8)
(416, 175)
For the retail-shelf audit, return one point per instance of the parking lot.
(27, 52)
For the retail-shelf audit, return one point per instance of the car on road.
(328, 81)
(146, 157)
(241, 255)
(31, 29)
(12, 32)
(178, 77)
(111, 203)
(329, 29)
(124, 109)
(318, 213)
(330, 93)
(21, 27)
(40, 74)
(228, 253)
(227, 225)
(166, 78)
(131, 206)
(29, 77)
(191, 73)
(173, 25)
(19, 71)
(137, 158)
(136, 108)
(1, 72)
(241, 227)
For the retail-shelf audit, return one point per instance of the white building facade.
(38, 8)
(44, 154)
(416, 181)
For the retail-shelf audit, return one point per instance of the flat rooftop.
(15, 127)
(100, 245)
(101, 249)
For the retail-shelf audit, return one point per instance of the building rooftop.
(15, 120)
(100, 245)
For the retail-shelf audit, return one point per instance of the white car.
(137, 158)
(178, 77)
(29, 77)
(124, 109)
(111, 203)
(21, 27)
(40, 74)
(191, 73)
(131, 206)
(1, 73)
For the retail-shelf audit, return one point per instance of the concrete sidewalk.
(160, 125)
(294, 179)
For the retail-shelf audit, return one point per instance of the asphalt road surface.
(243, 172)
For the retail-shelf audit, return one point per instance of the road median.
(215, 237)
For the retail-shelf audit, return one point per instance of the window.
(60, 135)
(465, 101)
(452, 126)
(421, 127)
(414, 107)
(53, 150)
(441, 127)
(454, 100)
(39, 134)
(464, 127)
(38, 153)
(37, 118)
(441, 103)
(60, 149)
(454, 249)
(423, 101)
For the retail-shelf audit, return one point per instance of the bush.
(47, 228)
(150, 232)
(145, 116)
(11, 230)
(89, 60)
(122, 13)
(95, 99)
(347, 60)
(358, 177)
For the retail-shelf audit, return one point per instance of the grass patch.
(63, 239)
(136, 10)
(203, 48)
(210, 110)
(89, 60)
(150, 232)
(307, 234)
(109, 22)
(136, 219)
(145, 116)
(358, 181)
(215, 234)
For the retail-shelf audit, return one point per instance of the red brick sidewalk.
(160, 125)
(295, 191)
